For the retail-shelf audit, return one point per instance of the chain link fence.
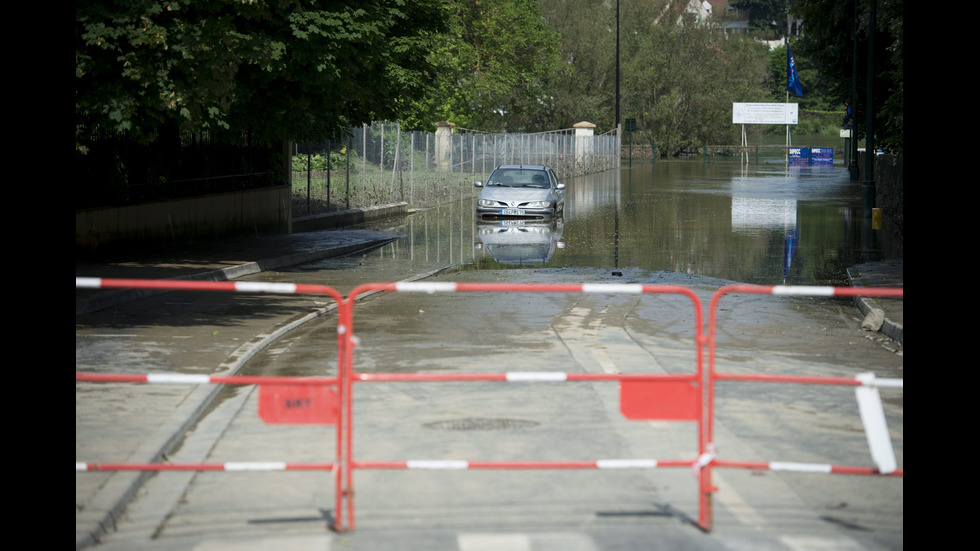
(379, 163)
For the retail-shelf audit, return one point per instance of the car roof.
(523, 167)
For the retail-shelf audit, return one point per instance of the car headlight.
(538, 204)
(486, 203)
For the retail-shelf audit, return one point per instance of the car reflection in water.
(520, 242)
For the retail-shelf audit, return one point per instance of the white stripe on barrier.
(875, 425)
(704, 459)
(88, 282)
(81, 466)
(454, 465)
(260, 287)
(256, 466)
(626, 463)
(415, 287)
(890, 383)
(176, 378)
(801, 467)
(612, 288)
(537, 376)
(803, 290)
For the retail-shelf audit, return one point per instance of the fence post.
(444, 133)
(583, 139)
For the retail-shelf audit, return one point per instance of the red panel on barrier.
(298, 405)
(666, 400)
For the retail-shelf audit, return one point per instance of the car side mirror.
(561, 186)
(477, 184)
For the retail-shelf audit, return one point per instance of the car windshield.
(519, 178)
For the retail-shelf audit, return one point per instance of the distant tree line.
(831, 28)
(168, 75)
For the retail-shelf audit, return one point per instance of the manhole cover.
(480, 424)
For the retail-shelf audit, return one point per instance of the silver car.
(521, 191)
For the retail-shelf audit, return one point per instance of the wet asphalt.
(102, 498)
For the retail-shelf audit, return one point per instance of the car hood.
(517, 194)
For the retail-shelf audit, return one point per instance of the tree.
(584, 82)
(829, 40)
(816, 89)
(682, 79)
(300, 70)
(493, 65)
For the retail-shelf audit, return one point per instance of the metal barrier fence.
(662, 397)
(865, 384)
(683, 397)
(379, 163)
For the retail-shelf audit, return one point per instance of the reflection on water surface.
(760, 223)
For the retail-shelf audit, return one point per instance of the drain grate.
(479, 423)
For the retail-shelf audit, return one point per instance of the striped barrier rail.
(282, 400)
(866, 391)
(699, 408)
(642, 396)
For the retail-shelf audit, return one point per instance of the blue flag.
(792, 77)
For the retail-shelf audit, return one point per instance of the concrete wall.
(889, 179)
(889, 175)
(172, 223)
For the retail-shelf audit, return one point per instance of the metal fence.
(380, 163)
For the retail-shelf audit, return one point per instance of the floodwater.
(761, 222)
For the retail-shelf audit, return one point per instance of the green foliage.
(815, 123)
(493, 66)
(681, 80)
(584, 82)
(265, 70)
(831, 30)
(337, 161)
(258, 71)
(817, 91)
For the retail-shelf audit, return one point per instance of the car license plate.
(512, 222)
(512, 212)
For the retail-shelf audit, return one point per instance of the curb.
(889, 327)
(346, 218)
(866, 305)
(113, 298)
(307, 223)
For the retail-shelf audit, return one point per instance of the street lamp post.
(617, 65)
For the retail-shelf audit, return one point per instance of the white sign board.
(765, 113)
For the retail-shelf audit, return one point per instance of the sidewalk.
(223, 261)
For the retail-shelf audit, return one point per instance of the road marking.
(605, 363)
(493, 542)
(557, 541)
(733, 502)
(811, 543)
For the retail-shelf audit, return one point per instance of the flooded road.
(762, 223)
(685, 223)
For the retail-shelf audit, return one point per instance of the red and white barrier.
(668, 392)
(228, 466)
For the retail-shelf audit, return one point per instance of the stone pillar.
(444, 144)
(583, 141)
